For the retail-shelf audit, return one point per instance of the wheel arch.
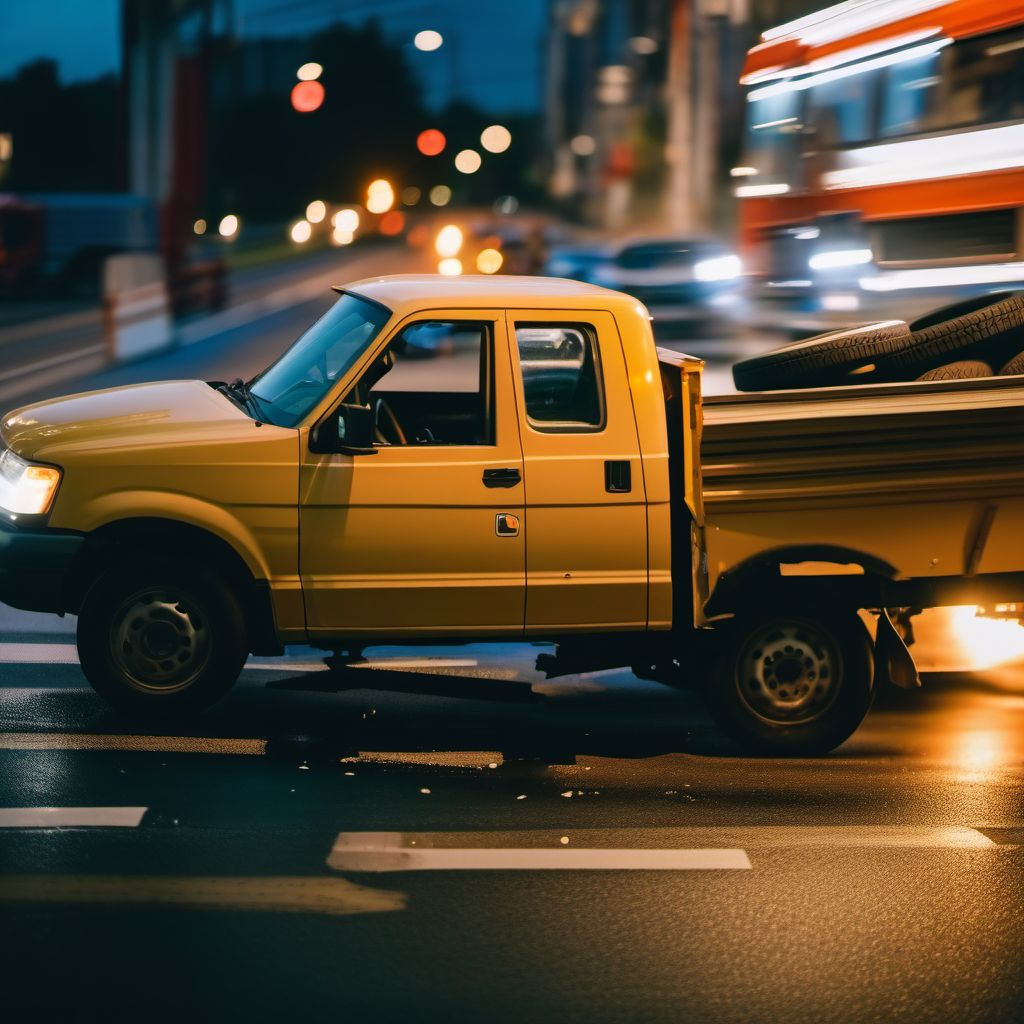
(833, 573)
(122, 539)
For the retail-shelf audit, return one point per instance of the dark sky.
(492, 53)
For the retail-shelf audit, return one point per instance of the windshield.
(293, 386)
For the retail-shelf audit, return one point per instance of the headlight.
(26, 489)
(833, 259)
(718, 268)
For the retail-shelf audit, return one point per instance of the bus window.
(909, 96)
(773, 136)
(986, 80)
(841, 111)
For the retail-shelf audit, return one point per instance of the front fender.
(103, 510)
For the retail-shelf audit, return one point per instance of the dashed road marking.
(689, 848)
(38, 654)
(67, 654)
(396, 851)
(124, 742)
(71, 817)
(276, 894)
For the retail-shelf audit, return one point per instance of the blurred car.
(578, 263)
(521, 244)
(677, 278)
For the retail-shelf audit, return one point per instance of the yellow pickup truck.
(477, 459)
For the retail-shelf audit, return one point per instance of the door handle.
(617, 476)
(501, 477)
(506, 524)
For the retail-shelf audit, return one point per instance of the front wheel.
(161, 636)
(792, 680)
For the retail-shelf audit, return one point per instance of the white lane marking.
(71, 817)
(435, 758)
(69, 359)
(410, 663)
(67, 654)
(275, 894)
(688, 848)
(562, 859)
(145, 744)
(38, 654)
(836, 836)
(393, 851)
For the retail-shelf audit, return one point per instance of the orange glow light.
(307, 96)
(392, 222)
(431, 142)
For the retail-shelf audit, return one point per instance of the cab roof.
(404, 293)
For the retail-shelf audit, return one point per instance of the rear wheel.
(792, 679)
(161, 637)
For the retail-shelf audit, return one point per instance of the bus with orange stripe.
(885, 151)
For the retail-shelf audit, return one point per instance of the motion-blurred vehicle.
(61, 239)
(577, 263)
(677, 279)
(348, 496)
(521, 244)
(884, 154)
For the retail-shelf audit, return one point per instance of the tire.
(161, 636)
(839, 357)
(962, 370)
(988, 328)
(792, 680)
(1014, 366)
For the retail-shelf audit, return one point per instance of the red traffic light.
(431, 142)
(307, 96)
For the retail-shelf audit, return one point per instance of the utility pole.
(679, 206)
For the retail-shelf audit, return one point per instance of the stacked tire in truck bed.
(978, 337)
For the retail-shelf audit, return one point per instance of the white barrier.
(136, 309)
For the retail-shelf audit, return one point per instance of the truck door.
(426, 535)
(586, 559)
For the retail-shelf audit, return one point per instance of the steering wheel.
(387, 424)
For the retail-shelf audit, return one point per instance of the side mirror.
(349, 430)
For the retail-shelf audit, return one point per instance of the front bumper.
(35, 563)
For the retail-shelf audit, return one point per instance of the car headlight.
(25, 488)
(718, 268)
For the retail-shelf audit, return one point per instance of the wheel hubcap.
(159, 640)
(788, 673)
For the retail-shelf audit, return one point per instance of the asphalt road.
(445, 835)
(227, 871)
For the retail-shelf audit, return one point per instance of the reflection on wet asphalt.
(446, 828)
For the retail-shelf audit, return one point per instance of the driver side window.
(433, 385)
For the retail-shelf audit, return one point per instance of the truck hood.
(142, 415)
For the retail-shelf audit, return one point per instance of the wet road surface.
(444, 835)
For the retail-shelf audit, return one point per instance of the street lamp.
(428, 40)
(496, 139)
(440, 195)
(468, 161)
(309, 72)
(448, 241)
(346, 221)
(380, 196)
